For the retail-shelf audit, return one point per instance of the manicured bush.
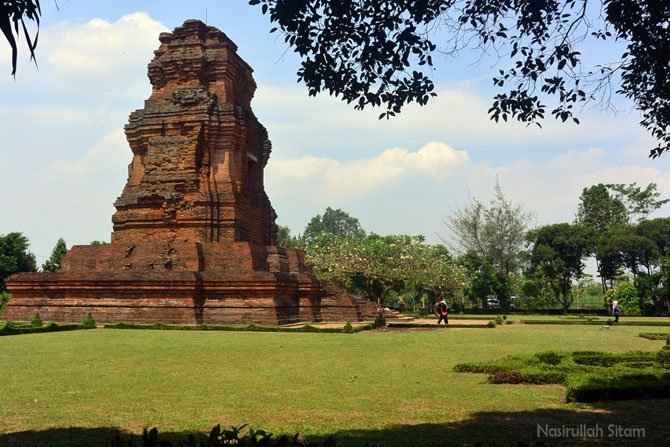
(656, 336)
(37, 320)
(11, 328)
(499, 320)
(606, 359)
(348, 328)
(491, 324)
(589, 375)
(89, 322)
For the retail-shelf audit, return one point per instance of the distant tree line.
(495, 257)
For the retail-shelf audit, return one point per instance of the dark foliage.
(218, 437)
(381, 53)
(589, 376)
(14, 256)
(13, 13)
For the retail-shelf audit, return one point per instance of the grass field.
(396, 388)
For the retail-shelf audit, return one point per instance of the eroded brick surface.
(194, 234)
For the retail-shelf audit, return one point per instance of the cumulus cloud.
(400, 191)
(359, 177)
(101, 48)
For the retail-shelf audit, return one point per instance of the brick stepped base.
(116, 282)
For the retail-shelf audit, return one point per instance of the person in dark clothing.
(442, 312)
(615, 311)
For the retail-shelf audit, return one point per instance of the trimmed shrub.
(491, 324)
(609, 322)
(11, 328)
(605, 359)
(499, 320)
(89, 322)
(348, 328)
(37, 320)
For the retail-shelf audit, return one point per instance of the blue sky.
(64, 154)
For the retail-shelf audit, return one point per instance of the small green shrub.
(499, 320)
(89, 322)
(348, 328)
(37, 320)
(491, 324)
(504, 317)
(609, 322)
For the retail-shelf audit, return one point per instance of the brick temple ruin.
(194, 237)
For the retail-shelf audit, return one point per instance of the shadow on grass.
(638, 423)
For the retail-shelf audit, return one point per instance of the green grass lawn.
(394, 387)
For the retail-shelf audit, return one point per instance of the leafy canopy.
(14, 256)
(53, 264)
(13, 13)
(380, 53)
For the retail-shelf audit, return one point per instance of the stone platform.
(204, 284)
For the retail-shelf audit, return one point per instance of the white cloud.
(101, 48)
(360, 177)
(400, 191)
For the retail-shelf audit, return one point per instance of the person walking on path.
(442, 312)
(615, 310)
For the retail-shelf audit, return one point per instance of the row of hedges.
(346, 329)
(588, 321)
(588, 375)
(655, 335)
(595, 358)
(37, 326)
(11, 328)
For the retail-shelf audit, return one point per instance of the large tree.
(558, 252)
(384, 264)
(380, 53)
(53, 264)
(495, 232)
(14, 256)
(336, 222)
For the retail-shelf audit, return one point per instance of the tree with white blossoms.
(436, 273)
(384, 263)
